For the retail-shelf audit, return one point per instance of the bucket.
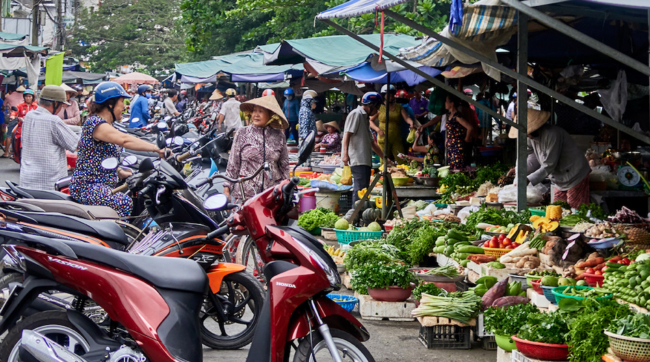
(307, 202)
(328, 200)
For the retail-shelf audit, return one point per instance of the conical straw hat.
(270, 103)
(536, 119)
(216, 95)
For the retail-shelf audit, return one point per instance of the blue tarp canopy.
(358, 7)
(365, 73)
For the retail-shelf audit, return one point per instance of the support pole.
(34, 24)
(507, 71)
(649, 48)
(522, 111)
(385, 184)
(576, 35)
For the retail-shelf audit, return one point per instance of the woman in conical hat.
(261, 141)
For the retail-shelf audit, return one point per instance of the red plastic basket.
(388, 228)
(542, 351)
(537, 286)
(594, 280)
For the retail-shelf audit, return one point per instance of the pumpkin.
(370, 215)
(554, 212)
(534, 218)
(542, 220)
(545, 224)
(513, 232)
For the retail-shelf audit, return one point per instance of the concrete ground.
(389, 341)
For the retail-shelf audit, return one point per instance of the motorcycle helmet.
(288, 92)
(384, 89)
(144, 88)
(231, 92)
(268, 92)
(372, 98)
(402, 94)
(28, 91)
(109, 90)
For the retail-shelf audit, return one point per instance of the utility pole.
(59, 25)
(35, 19)
(2, 9)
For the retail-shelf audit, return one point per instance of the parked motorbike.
(154, 303)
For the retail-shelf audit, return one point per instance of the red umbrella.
(136, 78)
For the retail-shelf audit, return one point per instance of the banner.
(54, 70)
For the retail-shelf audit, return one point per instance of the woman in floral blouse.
(261, 141)
(332, 140)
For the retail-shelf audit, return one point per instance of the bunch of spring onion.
(459, 306)
(447, 270)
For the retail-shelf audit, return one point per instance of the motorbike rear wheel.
(241, 297)
(350, 349)
(54, 325)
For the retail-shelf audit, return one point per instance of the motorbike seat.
(87, 212)
(24, 192)
(105, 230)
(167, 273)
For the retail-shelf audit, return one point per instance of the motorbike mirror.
(178, 141)
(110, 163)
(160, 141)
(162, 126)
(307, 147)
(136, 120)
(130, 160)
(215, 202)
(167, 118)
(146, 165)
(157, 108)
(214, 116)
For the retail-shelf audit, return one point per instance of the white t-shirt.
(358, 125)
(230, 110)
(511, 110)
(170, 108)
(443, 123)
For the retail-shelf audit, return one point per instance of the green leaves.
(508, 321)
(637, 325)
(370, 252)
(545, 328)
(377, 276)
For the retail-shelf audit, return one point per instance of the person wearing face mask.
(261, 141)
(70, 113)
(291, 110)
(397, 113)
(306, 117)
(140, 108)
(91, 183)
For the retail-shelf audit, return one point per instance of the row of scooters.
(159, 286)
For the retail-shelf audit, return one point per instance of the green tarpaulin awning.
(11, 36)
(340, 51)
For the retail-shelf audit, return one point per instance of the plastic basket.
(496, 252)
(445, 337)
(480, 327)
(348, 302)
(537, 286)
(557, 292)
(530, 278)
(629, 349)
(541, 351)
(538, 212)
(348, 236)
(594, 280)
(489, 344)
(548, 293)
(316, 232)
(388, 228)
(345, 202)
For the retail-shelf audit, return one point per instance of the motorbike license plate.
(15, 290)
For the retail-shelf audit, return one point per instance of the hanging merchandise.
(614, 99)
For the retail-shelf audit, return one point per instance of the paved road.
(389, 341)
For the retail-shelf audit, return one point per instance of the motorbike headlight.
(332, 274)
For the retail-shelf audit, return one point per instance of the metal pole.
(385, 191)
(582, 38)
(415, 70)
(59, 25)
(34, 24)
(522, 111)
(649, 44)
(526, 80)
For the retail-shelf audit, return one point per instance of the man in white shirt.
(170, 103)
(229, 113)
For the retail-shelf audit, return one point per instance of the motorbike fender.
(333, 315)
(96, 338)
(219, 271)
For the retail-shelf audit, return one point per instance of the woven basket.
(641, 236)
(496, 252)
(629, 349)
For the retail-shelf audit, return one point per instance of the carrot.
(600, 266)
(591, 263)
(615, 259)
(580, 277)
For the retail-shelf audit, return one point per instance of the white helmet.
(384, 89)
(309, 94)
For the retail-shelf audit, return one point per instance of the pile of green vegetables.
(585, 292)
(455, 244)
(461, 306)
(416, 239)
(630, 283)
(483, 284)
(637, 326)
(508, 321)
(461, 184)
(548, 327)
(379, 276)
(371, 252)
(427, 288)
(319, 217)
(497, 217)
(449, 271)
(581, 215)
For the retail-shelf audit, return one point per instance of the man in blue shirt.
(291, 110)
(140, 108)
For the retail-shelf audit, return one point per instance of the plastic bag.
(463, 214)
(534, 194)
(600, 174)
(346, 178)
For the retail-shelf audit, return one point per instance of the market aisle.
(9, 170)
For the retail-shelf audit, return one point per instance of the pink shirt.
(70, 114)
(13, 99)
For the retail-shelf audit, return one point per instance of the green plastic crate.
(538, 211)
(348, 236)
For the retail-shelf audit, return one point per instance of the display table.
(615, 199)
(417, 192)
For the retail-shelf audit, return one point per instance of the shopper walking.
(262, 141)
(170, 103)
(291, 110)
(306, 117)
(457, 130)
(397, 114)
(140, 108)
(45, 139)
(229, 114)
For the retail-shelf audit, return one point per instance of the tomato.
(598, 272)
(590, 271)
(506, 242)
(605, 268)
(511, 246)
(502, 236)
(494, 239)
(626, 261)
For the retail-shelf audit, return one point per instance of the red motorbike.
(154, 303)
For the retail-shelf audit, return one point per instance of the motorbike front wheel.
(241, 297)
(349, 348)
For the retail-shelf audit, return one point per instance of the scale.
(630, 178)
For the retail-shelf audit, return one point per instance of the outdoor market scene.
(370, 180)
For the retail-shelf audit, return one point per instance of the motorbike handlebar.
(183, 157)
(121, 188)
(219, 232)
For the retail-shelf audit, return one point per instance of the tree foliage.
(217, 27)
(127, 32)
